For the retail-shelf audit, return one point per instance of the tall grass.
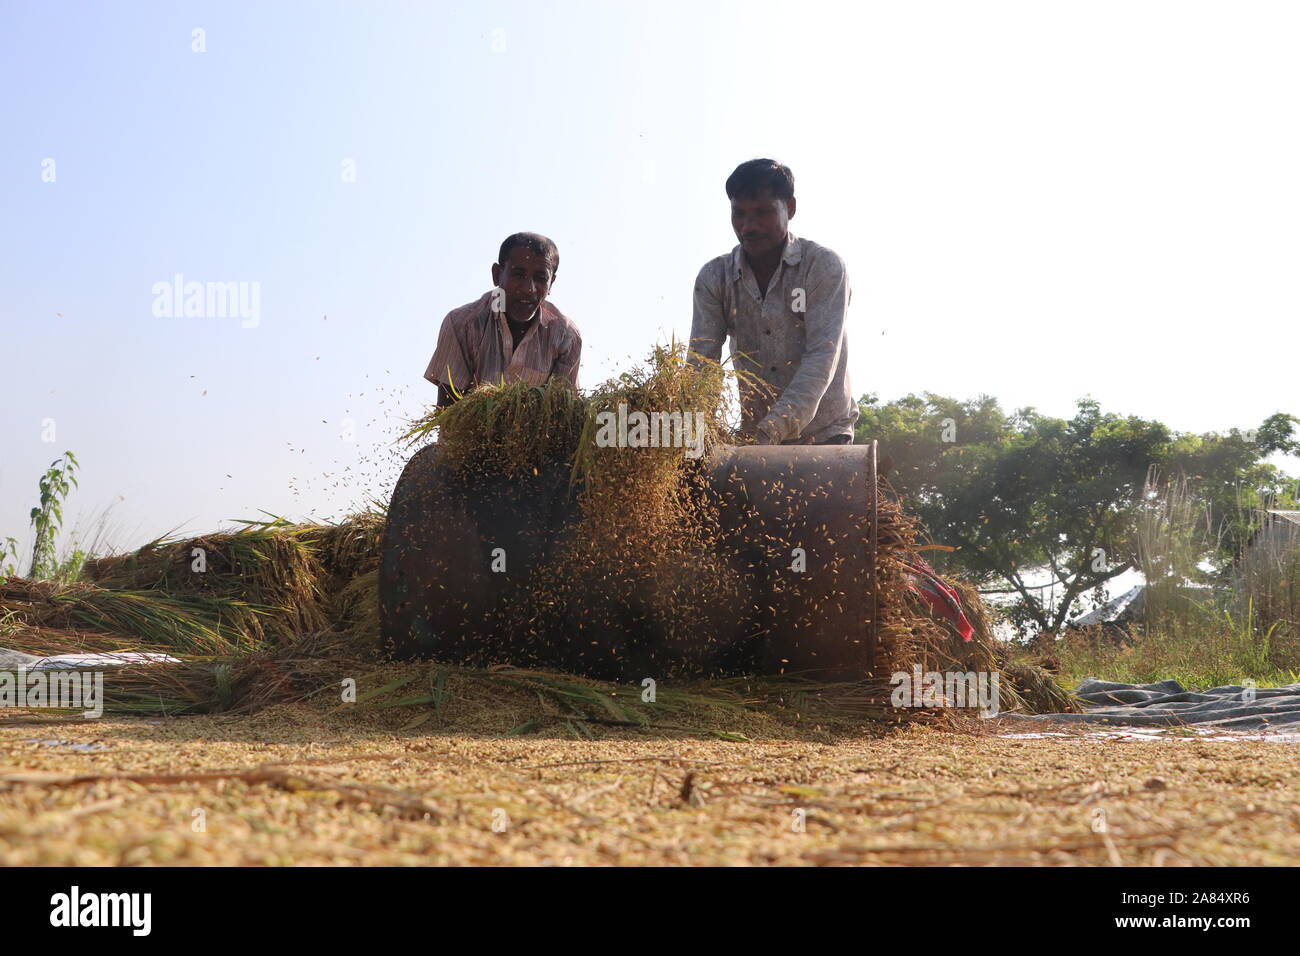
(1209, 647)
(1170, 541)
(1200, 629)
(1267, 578)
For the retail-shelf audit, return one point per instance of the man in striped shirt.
(511, 333)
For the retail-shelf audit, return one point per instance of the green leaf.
(410, 701)
(439, 692)
(387, 688)
(729, 735)
(417, 721)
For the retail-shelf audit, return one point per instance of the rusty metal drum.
(797, 528)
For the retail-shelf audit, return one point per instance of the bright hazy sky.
(1036, 200)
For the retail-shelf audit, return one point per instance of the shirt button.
(767, 331)
(773, 368)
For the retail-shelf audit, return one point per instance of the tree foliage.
(1024, 494)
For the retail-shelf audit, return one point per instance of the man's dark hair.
(533, 241)
(758, 176)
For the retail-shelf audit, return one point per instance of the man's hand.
(764, 436)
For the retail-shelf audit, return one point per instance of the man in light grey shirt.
(782, 302)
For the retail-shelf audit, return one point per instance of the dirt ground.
(301, 785)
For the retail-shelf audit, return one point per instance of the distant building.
(1277, 538)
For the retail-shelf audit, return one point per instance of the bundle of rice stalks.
(348, 553)
(511, 429)
(347, 549)
(517, 429)
(269, 582)
(671, 393)
(237, 683)
(354, 609)
(44, 641)
(135, 619)
(264, 564)
(1037, 690)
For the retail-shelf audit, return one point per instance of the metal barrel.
(797, 528)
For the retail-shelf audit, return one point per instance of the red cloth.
(941, 597)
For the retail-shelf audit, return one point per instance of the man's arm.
(450, 367)
(708, 320)
(566, 364)
(827, 299)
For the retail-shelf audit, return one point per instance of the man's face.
(761, 223)
(526, 279)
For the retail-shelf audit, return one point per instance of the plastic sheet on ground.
(1167, 704)
(15, 660)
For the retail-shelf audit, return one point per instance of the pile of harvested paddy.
(268, 583)
(267, 586)
(634, 581)
(107, 619)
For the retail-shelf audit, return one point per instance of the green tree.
(1024, 494)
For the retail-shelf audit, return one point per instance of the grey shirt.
(794, 340)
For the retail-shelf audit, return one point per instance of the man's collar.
(790, 254)
(793, 249)
(547, 313)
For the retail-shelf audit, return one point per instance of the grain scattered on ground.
(296, 785)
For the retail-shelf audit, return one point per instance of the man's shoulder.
(714, 273)
(817, 256)
(559, 321)
(470, 311)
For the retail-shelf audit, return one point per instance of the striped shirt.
(475, 348)
(790, 345)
